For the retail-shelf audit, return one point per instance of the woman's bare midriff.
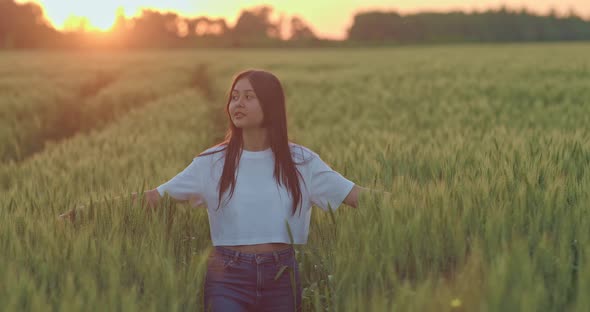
(259, 248)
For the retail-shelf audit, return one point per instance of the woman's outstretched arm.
(352, 199)
(151, 199)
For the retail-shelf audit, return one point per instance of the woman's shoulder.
(213, 151)
(301, 153)
(216, 148)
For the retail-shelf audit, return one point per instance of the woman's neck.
(255, 139)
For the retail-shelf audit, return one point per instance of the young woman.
(258, 189)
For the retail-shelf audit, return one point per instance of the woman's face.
(244, 100)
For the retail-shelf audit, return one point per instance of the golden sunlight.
(102, 14)
(87, 15)
(99, 15)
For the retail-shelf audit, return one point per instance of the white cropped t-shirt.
(259, 207)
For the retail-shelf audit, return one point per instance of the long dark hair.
(270, 94)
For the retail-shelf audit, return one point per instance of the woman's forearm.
(151, 199)
(367, 194)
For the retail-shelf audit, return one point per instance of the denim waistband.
(263, 257)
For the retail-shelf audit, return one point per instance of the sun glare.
(93, 22)
(87, 15)
(102, 15)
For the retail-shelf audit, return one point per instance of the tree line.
(495, 25)
(23, 26)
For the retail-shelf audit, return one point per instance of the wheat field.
(485, 148)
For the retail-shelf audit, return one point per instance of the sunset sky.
(328, 18)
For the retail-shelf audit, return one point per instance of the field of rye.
(486, 149)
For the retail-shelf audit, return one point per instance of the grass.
(485, 149)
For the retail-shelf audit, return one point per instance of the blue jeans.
(237, 281)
